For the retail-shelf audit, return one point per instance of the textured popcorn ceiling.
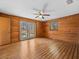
(24, 8)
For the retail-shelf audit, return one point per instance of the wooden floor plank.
(40, 48)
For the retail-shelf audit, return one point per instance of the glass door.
(32, 30)
(23, 30)
(27, 30)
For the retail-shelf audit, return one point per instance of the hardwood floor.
(40, 48)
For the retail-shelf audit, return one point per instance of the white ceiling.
(24, 8)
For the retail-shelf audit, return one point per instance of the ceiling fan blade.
(50, 11)
(45, 7)
(35, 13)
(36, 16)
(46, 14)
(36, 9)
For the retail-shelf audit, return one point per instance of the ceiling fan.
(41, 13)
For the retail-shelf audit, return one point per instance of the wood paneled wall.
(68, 29)
(41, 29)
(15, 26)
(15, 29)
(4, 30)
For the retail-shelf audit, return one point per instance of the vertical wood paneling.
(15, 28)
(4, 30)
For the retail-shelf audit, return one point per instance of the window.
(54, 25)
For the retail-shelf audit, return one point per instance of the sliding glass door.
(27, 30)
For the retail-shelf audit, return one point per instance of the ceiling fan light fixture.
(41, 13)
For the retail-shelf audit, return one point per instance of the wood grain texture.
(15, 26)
(4, 30)
(68, 29)
(40, 48)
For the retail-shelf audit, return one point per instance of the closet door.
(4, 30)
